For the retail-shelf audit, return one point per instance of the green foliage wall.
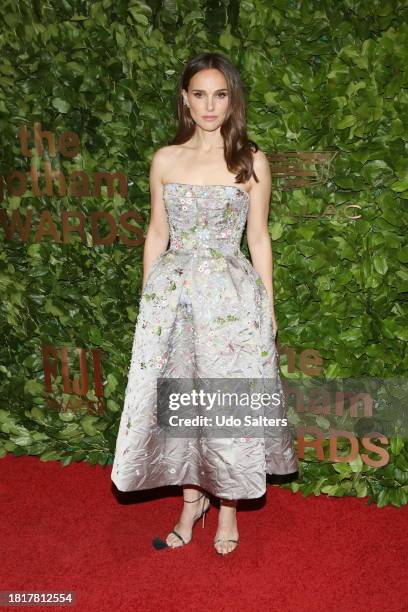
(319, 75)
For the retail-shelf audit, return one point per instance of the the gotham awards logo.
(332, 423)
(45, 178)
(303, 169)
(73, 379)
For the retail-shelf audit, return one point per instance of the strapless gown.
(204, 312)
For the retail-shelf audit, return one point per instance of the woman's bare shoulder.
(260, 162)
(167, 152)
(259, 156)
(164, 158)
(261, 167)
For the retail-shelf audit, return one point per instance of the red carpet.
(64, 529)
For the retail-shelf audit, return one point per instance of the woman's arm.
(157, 235)
(259, 241)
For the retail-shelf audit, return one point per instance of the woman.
(205, 311)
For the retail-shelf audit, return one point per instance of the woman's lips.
(209, 117)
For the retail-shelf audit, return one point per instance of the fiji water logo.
(73, 379)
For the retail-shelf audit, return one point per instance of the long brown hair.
(237, 146)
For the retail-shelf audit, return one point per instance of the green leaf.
(34, 387)
(87, 424)
(276, 231)
(356, 464)
(226, 39)
(62, 106)
(4, 415)
(361, 488)
(400, 185)
(342, 468)
(396, 445)
(346, 122)
(380, 264)
(330, 489)
(271, 98)
(50, 455)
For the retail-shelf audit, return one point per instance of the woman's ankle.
(191, 494)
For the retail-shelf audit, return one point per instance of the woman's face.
(208, 98)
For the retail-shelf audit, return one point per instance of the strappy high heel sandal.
(158, 543)
(225, 540)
